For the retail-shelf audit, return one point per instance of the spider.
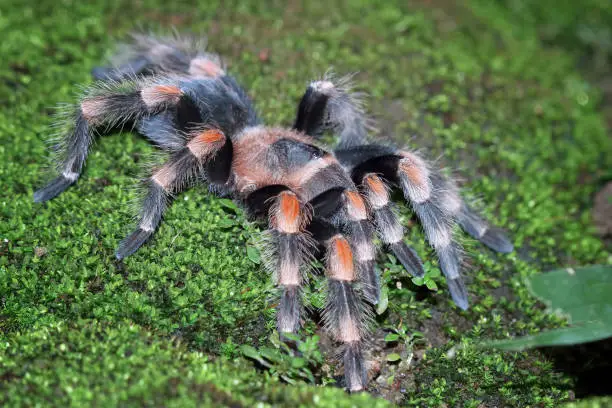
(318, 202)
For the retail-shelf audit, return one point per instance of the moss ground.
(473, 84)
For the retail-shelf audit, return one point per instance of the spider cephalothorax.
(318, 202)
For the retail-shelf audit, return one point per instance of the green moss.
(514, 117)
(89, 363)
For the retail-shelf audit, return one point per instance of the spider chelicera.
(319, 203)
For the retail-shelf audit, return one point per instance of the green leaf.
(418, 281)
(431, 285)
(271, 354)
(558, 337)
(250, 352)
(229, 204)
(391, 337)
(582, 295)
(394, 357)
(383, 301)
(298, 362)
(253, 254)
(226, 223)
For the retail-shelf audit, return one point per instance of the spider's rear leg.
(149, 55)
(103, 108)
(203, 149)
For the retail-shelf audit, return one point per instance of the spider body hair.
(318, 202)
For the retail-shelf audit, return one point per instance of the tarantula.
(318, 202)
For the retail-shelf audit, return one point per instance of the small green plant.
(286, 363)
(429, 280)
(400, 334)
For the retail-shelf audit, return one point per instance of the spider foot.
(408, 258)
(131, 244)
(370, 281)
(354, 368)
(53, 189)
(493, 237)
(458, 292)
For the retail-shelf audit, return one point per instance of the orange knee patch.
(160, 94)
(206, 142)
(355, 206)
(341, 265)
(288, 216)
(415, 178)
(376, 191)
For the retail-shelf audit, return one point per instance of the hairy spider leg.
(412, 175)
(357, 226)
(388, 225)
(289, 256)
(334, 197)
(470, 221)
(176, 174)
(346, 315)
(288, 247)
(382, 208)
(287, 158)
(184, 111)
(207, 152)
(435, 200)
(329, 104)
(104, 107)
(150, 55)
(341, 225)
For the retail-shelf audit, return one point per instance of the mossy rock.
(514, 117)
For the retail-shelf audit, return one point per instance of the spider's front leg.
(342, 225)
(289, 247)
(346, 210)
(346, 315)
(328, 104)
